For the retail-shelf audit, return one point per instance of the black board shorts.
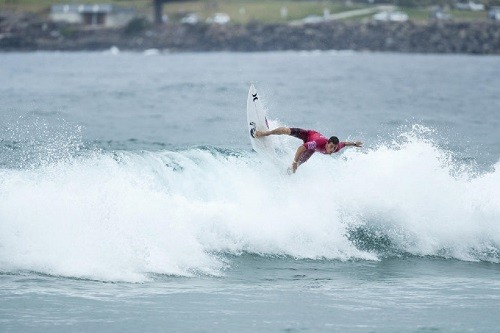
(299, 133)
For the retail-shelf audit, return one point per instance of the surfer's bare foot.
(258, 134)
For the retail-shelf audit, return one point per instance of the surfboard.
(257, 121)
(268, 147)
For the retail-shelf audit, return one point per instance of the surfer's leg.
(276, 131)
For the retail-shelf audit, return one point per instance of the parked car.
(439, 14)
(190, 19)
(391, 16)
(219, 18)
(470, 5)
(494, 13)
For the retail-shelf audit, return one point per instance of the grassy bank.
(241, 11)
(267, 11)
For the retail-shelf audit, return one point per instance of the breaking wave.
(121, 216)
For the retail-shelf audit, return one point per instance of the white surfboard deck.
(257, 121)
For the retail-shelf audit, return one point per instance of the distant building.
(96, 15)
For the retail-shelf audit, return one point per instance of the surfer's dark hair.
(334, 140)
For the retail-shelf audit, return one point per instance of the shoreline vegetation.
(22, 30)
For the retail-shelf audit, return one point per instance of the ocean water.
(131, 200)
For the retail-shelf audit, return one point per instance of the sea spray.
(29, 141)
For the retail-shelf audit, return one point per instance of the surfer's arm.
(295, 163)
(354, 144)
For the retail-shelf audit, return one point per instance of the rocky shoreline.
(29, 33)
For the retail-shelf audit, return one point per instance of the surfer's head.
(333, 140)
(332, 144)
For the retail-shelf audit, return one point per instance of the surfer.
(313, 142)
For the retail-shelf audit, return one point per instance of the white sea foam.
(122, 216)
